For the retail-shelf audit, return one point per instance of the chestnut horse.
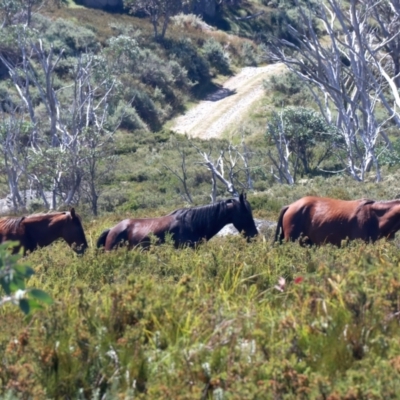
(319, 220)
(187, 226)
(39, 230)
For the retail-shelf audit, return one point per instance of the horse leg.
(305, 241)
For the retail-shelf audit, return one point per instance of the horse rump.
(279, 234)
(101, 241)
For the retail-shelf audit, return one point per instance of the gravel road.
(228, 105)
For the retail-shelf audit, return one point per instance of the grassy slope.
(180, 323)
(196, 324)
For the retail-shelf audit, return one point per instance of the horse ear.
(242, 198)
(228, 201)
(72, 212)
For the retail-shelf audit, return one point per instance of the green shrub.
(185, 21)
(289, 89)
(127, 118)
(304, 129)
(186, 52)
(13, 276)
(145, 107)
(248, 54)
(216, 56)
(145, 323)
(64, 34)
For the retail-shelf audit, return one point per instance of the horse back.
(324, 220)
(139, 231)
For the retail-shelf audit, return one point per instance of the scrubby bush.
(216, 56)
(188, 56)
(228, 319)
(156, 86)
(64, 34)
(248, 54)
(126, 116)
(188, 20)
(289, 89)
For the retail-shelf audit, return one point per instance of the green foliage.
(64, 34)
(128, 117)
(13, 275)
(154, 86)
(288, 89)
(169, 323)
(388, 156)
(17, 11)
(249, 54)
(285, 13)
(187, 54)
(304, 129)
(159, 11)
(216, 56)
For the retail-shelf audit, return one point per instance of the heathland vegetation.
(85, 103)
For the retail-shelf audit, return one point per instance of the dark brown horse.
(187, 226)
(39, 230)
(319, 220)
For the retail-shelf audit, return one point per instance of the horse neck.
(41, 232)
(215, 219)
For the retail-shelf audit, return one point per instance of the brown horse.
(39, 230)
(187, 226)
(319, 220)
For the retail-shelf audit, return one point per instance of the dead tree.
(77, 136)
(217, 172)
(10, 145)
(243, 154)
(343, 76)
(229, 167)
(387, 15)
(182, 175)
(281, 164)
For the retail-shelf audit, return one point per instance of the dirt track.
(227, 106)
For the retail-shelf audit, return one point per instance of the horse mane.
(49, 215)
(202, 215)
(41, 215)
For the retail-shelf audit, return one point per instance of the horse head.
(242, 216)
(73, 232)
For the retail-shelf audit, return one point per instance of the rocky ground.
(265, 227)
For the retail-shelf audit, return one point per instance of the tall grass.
(208, 323)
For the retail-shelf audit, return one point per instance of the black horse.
(187, 226)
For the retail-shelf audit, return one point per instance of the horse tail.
(101, 241)
(279, 234)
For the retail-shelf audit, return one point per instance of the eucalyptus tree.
(159, 12)
(17, 11)
(349, 74)
(70, 136)
(296, 133)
